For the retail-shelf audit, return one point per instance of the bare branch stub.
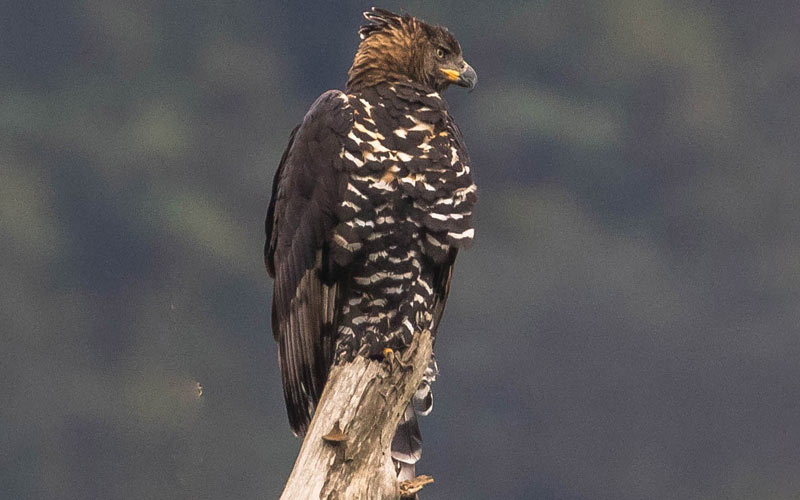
(409, 488)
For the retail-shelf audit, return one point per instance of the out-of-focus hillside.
(625, 327)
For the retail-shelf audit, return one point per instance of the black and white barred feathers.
(371, 202)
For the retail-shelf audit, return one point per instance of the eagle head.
(398, 48)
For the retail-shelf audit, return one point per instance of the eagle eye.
(441, 52)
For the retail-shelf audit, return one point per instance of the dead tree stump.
(346, 452)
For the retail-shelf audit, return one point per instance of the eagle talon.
(392, 357)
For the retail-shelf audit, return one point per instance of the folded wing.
(308, 283)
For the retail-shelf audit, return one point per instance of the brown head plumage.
(398, 48)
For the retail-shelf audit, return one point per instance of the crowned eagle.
(371, 202)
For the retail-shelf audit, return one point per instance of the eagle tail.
(407, 441)
(407, 444)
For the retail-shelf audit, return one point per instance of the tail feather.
(407, 441)
(423, 398)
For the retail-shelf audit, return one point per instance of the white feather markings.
(367, 106)
(360, 223)
(433, 241)
(364, 130)
(469, 233)
(419, 125)
(356, 161)
(437, 216)
(354, 190)
(453, 156)
(353, 137)
(351, 247)
(351, 205)
(383, 185)
(380, 276)
(377, 147)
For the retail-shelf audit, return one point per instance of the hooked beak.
(464, 78)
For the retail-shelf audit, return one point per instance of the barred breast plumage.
(407, 203)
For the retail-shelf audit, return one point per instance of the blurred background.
(625, 327)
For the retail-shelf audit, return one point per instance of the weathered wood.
(346, 452)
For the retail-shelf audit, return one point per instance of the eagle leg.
(393, 359)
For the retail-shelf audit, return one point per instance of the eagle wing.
(301, 216)
(443, 271)
(407, 444)
(407, 441)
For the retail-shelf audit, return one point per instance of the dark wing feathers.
(269, 246)
(299, 222)
(443, 273)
